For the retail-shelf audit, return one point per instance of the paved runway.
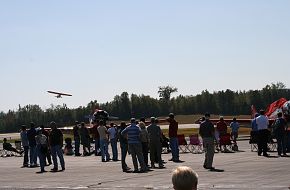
(243, 170)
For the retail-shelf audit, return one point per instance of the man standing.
(222, 129)
(235, 130)
(31, 133)
(77, 138)
(124, 147)
(173, 128)
(221, 126)
(48, 153)
(135, 146)
(113, 140)
(280, 131)
(56, 143)
(96, 136)
(206, 131)
(103, 132)
(154, 132)
(85, 139)
(263, 133)
(144, 139)
(25, 144)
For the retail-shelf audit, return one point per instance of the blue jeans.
(104, 149)
(41, 157)
(56, 150)
(97, 145)
(281, 143)
(25, 160)
(114, 148)
(174, 148)
(124, 150)
(77, 146)
(33, 155)
(136, 153)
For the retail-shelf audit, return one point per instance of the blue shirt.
(254, 125)
(234, 126)
(262, 122)
(133, 132)
(24, 138)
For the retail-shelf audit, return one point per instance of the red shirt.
(222, 127)
(173, 127)
(95, 132)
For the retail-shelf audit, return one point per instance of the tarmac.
(242, 170)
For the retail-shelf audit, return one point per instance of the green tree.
(166, 91)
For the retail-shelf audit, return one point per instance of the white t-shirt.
(112, 132)
(262, 122)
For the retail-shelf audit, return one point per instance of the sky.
(98, 49)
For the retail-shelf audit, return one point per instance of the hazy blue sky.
(98, 49)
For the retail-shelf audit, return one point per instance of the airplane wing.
(59, 93)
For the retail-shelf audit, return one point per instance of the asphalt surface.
(242, 170)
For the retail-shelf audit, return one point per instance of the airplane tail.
(275, 107)
(253, 111)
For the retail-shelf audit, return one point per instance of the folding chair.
(165, 144)
(254, 140)
(225, 141)
(18, 145)
(6, 153)
(195, 144)
(272, 144)
(183, 146)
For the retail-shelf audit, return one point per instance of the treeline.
(124, 106)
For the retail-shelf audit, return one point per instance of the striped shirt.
(133, 133)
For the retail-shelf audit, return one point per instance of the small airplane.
(59, 94)
(97, 115)
(281, 105)
(103, 115)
